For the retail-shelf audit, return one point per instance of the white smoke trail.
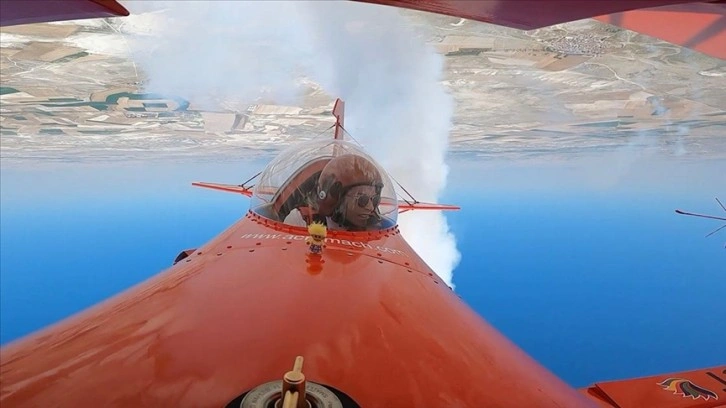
(214, 52)
(367, 55)
(396, 106)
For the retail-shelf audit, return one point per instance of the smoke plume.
(231, 52)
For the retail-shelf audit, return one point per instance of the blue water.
(596, 281)
(595, 289)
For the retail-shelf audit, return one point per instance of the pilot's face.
(360, 205)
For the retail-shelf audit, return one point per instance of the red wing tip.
(224, 187)
(114, 6)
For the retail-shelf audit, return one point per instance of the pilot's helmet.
(341, 174)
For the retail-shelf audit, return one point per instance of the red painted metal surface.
(370, 317)
(698, 26)
(704, 388)
(339, 114)
(245, 191)
(524, 14)
(371, 320)
(13, 12)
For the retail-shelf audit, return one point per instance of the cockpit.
(329, 180)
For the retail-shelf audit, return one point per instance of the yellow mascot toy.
(316, 239)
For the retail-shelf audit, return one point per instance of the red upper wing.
(525, 14)
(13, 12)
(696, 25)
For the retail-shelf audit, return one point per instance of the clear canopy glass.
(290, 181)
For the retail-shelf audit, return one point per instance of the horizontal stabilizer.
(704, 388)
(231, 188)
(404, 206)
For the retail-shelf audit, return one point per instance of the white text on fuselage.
(329, 241)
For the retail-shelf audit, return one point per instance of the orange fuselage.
(369, 316)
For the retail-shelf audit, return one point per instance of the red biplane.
(254, 318)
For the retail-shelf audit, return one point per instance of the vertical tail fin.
(339, 113)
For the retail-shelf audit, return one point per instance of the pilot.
(348, 192)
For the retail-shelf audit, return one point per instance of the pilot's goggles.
(363, 199)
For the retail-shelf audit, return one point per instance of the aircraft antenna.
(713, 217)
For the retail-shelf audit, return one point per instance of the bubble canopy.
(291, 181)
